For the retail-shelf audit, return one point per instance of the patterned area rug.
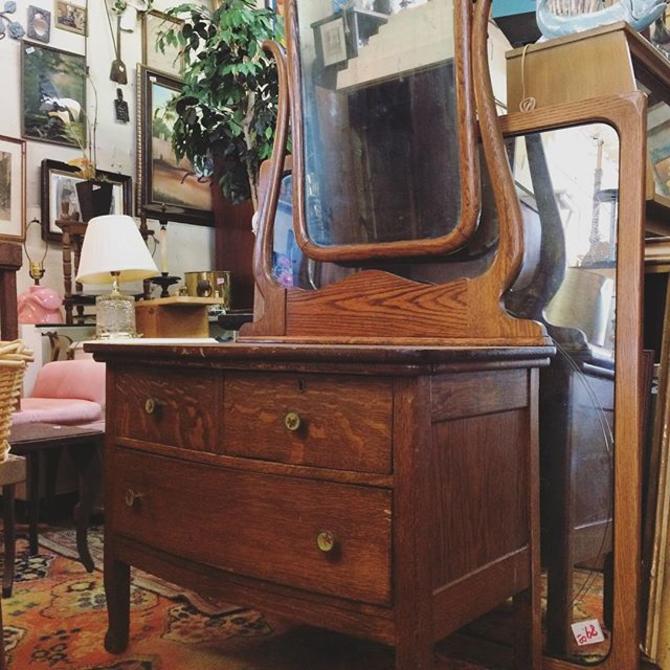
(56, 620)
(63, 541)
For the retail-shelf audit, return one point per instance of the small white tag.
(220, 281)
(29, 50)
(587, 632)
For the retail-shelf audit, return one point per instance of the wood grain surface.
(345, 421)
(260, 526)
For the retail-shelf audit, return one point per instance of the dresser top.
(269, 353)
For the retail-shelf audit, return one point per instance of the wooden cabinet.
(399, 508)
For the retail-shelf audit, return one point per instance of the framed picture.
(53, 94)
(39, 24)
(164, 183)
(59, 195)
(12, 189)
(71, 17)
(332, 41)
(171, 62)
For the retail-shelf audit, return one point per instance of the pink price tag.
(587, 632)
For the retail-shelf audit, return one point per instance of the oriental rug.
(56, 620)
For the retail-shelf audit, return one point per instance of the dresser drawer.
(260, 526)
(174, 408)
(339, 422)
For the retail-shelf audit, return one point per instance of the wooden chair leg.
(9, 521)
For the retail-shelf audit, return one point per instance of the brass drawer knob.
(292, 421)
(152, 406)
(326, 541)
(132, 496)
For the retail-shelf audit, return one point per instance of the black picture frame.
(36, 122)
(174, 179)
(50, 169)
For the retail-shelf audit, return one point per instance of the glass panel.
(381, 142)
(570, 178)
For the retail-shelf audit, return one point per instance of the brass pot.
(209, 284)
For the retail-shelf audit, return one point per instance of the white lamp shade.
(113, 244)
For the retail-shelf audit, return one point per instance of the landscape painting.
(173, 181)
(12, 188)
(53, 95)
(165, 182)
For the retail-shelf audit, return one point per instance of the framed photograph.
(39, 24)
(164, 183)
(171, 62)
(332, 41)
(71, 17)
(12, 189)
(59, 195)
(53, 94)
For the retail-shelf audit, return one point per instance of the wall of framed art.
(58, 29)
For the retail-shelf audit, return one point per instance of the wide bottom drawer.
(320, 536)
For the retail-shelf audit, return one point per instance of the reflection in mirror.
(570, 177)
(381, 146)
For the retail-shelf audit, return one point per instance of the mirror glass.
(381, 146)
(570, 178)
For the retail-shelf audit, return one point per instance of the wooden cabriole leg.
(117, 592)
(87, 463)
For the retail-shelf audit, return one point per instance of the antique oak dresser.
(364, 458)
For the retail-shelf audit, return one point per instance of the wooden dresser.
(389, 493)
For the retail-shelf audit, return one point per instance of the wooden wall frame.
(469, 172)
(627, 114)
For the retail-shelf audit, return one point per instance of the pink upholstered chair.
(66, 393)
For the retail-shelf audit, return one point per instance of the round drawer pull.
(326, 541)
(152, 406)
(292, 421)
(132, 496)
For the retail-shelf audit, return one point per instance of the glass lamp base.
(115, 316)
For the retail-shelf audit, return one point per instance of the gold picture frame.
(172, 61)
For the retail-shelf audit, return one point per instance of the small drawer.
(174, 408)
(337, 422)
(319, 536)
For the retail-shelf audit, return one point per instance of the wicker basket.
(14, 358)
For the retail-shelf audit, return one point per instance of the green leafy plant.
(228, 105)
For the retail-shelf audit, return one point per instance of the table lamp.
(114, 251)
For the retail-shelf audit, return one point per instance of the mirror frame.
(469, 160)
(627, 115)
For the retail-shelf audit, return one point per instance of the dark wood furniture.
(12, 472)
(71, 241)
(11, 260)
(383, 492)
(37, 440)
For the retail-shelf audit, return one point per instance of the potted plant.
(228, 105)
(94, 194)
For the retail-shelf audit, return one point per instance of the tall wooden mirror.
(579, 171)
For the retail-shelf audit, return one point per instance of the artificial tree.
(227, 109)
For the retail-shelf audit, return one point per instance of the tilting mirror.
(385, 145)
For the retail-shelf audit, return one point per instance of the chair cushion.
(83, 379)
(57, 410)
